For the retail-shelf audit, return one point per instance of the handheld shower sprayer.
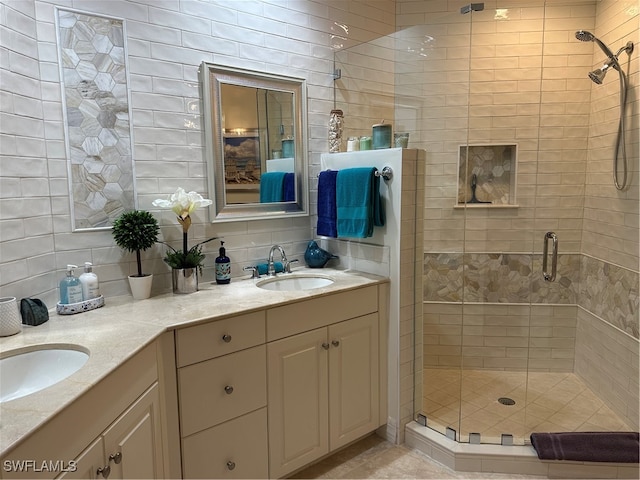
(585, 36)
(597, 76)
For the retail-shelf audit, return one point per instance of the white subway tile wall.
(167, 41)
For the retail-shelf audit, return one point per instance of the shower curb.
(511, 459)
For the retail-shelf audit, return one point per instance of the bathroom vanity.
(260, 389)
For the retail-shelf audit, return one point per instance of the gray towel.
(618, 447)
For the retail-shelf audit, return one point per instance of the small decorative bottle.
(336, 124)
(223, 266)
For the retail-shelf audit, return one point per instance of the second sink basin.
(28, 372)
(295, 282)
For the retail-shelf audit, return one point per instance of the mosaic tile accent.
(498, 278)
(92, 53)
(604, 289)
(611, 292)
(494, 167)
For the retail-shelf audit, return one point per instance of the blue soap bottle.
(223, 266)
(70, 287)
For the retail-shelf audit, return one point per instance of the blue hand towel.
(327, 219)
(271, 187)
(264, 267)
(289, 194)
(358, 202)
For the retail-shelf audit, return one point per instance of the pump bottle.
(223, 266)
(70, 287)
(89, 282)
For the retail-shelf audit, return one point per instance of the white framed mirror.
(255, 143)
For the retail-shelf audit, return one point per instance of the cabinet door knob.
(104, 471)
(231, 465)
(335, 343)
(228, 389)
(226, 338)
(325, 345)
(116, 457)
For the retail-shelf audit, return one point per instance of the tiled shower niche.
(487, 175)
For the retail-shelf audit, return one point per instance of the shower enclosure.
(530, 285)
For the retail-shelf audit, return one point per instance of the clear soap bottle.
(70, 287)
(89, 282)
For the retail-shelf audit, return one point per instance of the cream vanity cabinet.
(112, 431)
(222, 396)
(129, 448)
(310, 370)
(324, 382)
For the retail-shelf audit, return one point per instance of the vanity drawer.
(221, 337)
(319, 312)
(235, 449)
(217, 390)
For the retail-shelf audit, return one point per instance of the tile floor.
(545, 402)
(373, 457)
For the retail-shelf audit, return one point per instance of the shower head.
(585, 36)
(597, 76)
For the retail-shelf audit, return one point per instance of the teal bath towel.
(272, 187)
(358, 204)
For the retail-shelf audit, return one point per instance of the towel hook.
(387, 173)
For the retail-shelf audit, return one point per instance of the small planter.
(184, 280)
(140, 286)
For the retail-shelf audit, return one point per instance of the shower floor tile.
(467, 401)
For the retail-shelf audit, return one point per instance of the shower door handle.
(550, 277)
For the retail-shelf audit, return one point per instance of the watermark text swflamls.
(36, 466)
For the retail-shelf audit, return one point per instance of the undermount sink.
(295, 282)
(28, 372)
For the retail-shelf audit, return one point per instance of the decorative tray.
(73, 308)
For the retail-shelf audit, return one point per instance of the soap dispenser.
(89, 282)
(223, 266)
(70, 287)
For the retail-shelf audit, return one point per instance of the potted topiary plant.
(136, 231)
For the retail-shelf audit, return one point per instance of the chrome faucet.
(271, 268)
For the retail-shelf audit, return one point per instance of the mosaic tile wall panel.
(92, 55)
(606, 290)
(494, 168)
(610, 292)
(498, 278)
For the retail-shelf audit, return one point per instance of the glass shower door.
(444, 126)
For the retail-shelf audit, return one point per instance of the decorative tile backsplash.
(609, 291)
(92, 55)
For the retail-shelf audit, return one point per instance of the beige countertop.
(114, 333)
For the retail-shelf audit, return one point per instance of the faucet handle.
(254, 271)
(287, 265)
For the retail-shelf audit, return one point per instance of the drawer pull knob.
(231, 465)
(325, 346)
(228, 389)
(335, 343)
(116, 457)
(226, 338)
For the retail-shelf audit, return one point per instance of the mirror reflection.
(254, 124)
(258, 144)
